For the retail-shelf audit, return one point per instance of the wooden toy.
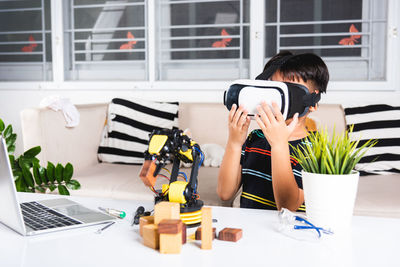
(151, 237)
(147, 173)
(198, 233)
(144, 221)
(166, 210)
(171, 243)
(206, 228)
(170, 226)
(184, 233)
(230, 234)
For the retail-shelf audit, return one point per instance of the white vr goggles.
(291, 97)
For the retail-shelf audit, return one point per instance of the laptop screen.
(10, 211)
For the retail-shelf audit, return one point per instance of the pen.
(116, 213)
(104, 228)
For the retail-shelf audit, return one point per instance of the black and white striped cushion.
(381, 122)
(129, 123)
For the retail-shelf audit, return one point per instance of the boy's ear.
(313, 108)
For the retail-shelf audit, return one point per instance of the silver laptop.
(36, 217)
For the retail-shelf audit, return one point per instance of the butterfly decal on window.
(129, 45)
(352, 39)
(224, 42)
(32, 46)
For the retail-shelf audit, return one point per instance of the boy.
(262, 164)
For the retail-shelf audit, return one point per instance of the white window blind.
(202, 40)
(25, 40)
(349, 35)
(107, 40)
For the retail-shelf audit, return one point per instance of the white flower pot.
(330, 199)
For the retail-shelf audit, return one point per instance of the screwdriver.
(113, 212)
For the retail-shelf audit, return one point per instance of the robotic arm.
(174, 145)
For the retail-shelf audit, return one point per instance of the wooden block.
(171, 243)
(145, 220)
(198, 233)
(206, 228)
(166, 210)
(184, 233)
(147, 173)
(230, 234)
(151, 238)
(170, 226)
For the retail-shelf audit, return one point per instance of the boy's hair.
(308, 67)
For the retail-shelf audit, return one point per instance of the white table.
(371, 242)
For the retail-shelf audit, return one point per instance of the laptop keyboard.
(39, 217)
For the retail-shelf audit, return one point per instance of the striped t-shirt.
(256, 172)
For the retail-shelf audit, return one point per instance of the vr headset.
(291, 97)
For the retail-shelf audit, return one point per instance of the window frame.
(31, 68)
(215, 88)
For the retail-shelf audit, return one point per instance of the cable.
(164, 176)
(165, 169)
(184, 175)
(201, 156)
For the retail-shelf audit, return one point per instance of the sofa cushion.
(378, 195)
(112, 181)
(121, 181)
(129, 123)
(381, 122)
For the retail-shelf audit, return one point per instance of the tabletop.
(371, 241)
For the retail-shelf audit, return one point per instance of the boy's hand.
(274, 126)
(238, 125)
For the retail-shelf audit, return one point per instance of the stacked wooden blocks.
(164, 230)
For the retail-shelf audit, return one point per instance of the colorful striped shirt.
(256, 172)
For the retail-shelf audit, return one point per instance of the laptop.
(37, 217)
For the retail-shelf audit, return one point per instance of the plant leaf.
(62, 190)
(52, 187)
(8, 131)
(33, 152)
(2, 125)
(24, 162)
(59, 173)
(10, 141)
(42, 174)
(40, 189)
(74, 185)
(50, 172)
(36, 175)
(11, 149)
(68, 172)
(28, 178)
(12, 160)
(20, 184)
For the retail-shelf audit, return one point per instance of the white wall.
(13, 101)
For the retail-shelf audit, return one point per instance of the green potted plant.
(329, 179)
(30, 176)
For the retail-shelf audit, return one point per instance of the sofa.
(377, 194)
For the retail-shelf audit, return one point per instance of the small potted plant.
(329, 179)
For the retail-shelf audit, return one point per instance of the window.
(107, 40)
(193, 44)
(25, 44)
(203, 40)
(349, 35)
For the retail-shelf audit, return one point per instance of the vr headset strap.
(265, 75)
(310, 100)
